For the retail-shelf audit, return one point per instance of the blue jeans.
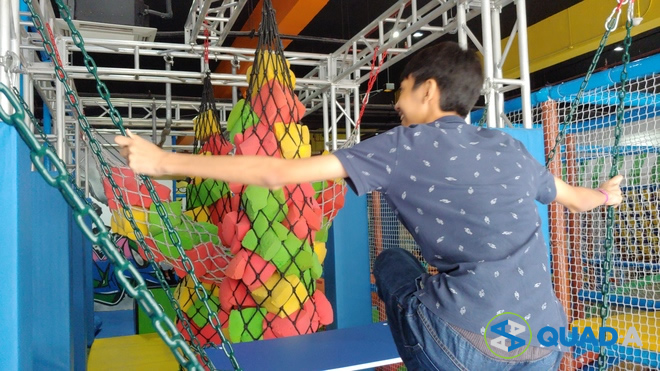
(425, 341)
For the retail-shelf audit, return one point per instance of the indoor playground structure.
(277, 279)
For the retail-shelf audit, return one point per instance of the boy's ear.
(431, 89)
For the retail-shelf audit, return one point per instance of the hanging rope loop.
(373, 75)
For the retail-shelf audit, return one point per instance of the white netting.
(578, 240)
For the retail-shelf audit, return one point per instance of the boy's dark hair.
(456, 71)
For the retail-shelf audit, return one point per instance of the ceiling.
(337, 22)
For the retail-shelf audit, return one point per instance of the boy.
(467, 196)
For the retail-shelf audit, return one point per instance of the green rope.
(72, 99)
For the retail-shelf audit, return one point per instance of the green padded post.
(143, 322)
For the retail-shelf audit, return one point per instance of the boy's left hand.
(613, 189)
(143, 156)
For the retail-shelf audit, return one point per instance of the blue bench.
(353, 348)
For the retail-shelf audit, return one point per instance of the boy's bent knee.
(387, 255)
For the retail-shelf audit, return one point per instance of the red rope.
(52, 41)
(621, 2)
(206, 43)
(373, 74)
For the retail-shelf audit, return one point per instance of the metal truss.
(146, 113)
(332, 85)
(393, 32)
(140, 49)
(216, 16)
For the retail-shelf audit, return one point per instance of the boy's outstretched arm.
(578, 199)
(146, 158)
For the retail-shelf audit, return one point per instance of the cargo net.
(258, 252)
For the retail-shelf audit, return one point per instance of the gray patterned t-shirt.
(467, 195)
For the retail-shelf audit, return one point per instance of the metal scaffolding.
(332, 85)
(215, 16)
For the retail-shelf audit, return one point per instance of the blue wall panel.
(347, 264)
(533, 141)
(9, 346)
(44, 315)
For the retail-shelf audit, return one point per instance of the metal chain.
(150, 256)
(568, 120)
(60, 180)
(177, 345)
(610, 25)
(117, 120)
(44, 139)
(609, 237)
(483, 121)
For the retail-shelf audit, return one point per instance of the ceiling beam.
(576, 31)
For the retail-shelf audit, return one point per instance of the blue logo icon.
(514, 329)
(508, 331)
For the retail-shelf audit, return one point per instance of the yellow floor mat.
(135, 353)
